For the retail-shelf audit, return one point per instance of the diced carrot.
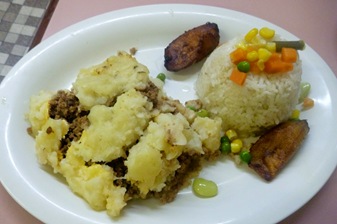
(252, 48)
(238, 77)
(308, 103)
(238, 55)
(275, 56)
(275, 64)
(288, 55)
(254, 68)
(287, 67)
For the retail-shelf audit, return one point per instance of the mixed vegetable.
(304, 100)
(231, 143)
(258, 53)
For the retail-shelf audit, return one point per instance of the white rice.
(263, 101)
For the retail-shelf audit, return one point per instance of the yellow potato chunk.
(38, 111)
(209, 131)
(115, 75)
(48, 141)
(93, 183)
(146, 166)
(112, 129)
(154, 158)
(179, 133)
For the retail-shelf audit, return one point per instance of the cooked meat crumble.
(65, 105)
(151, 92)
(190, 165)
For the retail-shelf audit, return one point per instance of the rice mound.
(264, 100)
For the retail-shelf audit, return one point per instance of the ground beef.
(190, 166)
(111, 102)
(49, 130)
(151, 92)
(65, 105)
(118, 166)
(132, 191)
(76, 128)
(211, 155)
(120, 170)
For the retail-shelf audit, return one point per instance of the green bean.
(304, 91)
(297, 44)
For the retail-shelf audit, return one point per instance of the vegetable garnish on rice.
(257, 52)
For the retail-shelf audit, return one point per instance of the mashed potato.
(116, 136)
(109, 133)
(114, 76)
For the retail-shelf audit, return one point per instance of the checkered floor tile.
(19, 22)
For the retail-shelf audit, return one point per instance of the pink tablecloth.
(314, 21)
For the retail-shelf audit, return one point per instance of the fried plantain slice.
(275, 148)
(191, 47)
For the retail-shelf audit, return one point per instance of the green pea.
(245, 156)
(191, 108)
(202, 113)
(244, 66)
(161, 76)
(304, 91)
(204, 188)
(225, 147)
(224, 139)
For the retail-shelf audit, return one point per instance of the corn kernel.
(242, 46)
(231, 134)
(266, 33)
(258, 41)
(251, 34)
(260, 64)
(236, 146)
(295, 115)
(252, 56)
(271, 46)
(264, 54)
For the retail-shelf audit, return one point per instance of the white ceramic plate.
(242, 195)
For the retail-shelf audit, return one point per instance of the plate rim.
(63, 34)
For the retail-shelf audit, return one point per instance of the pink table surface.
(311, 20)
